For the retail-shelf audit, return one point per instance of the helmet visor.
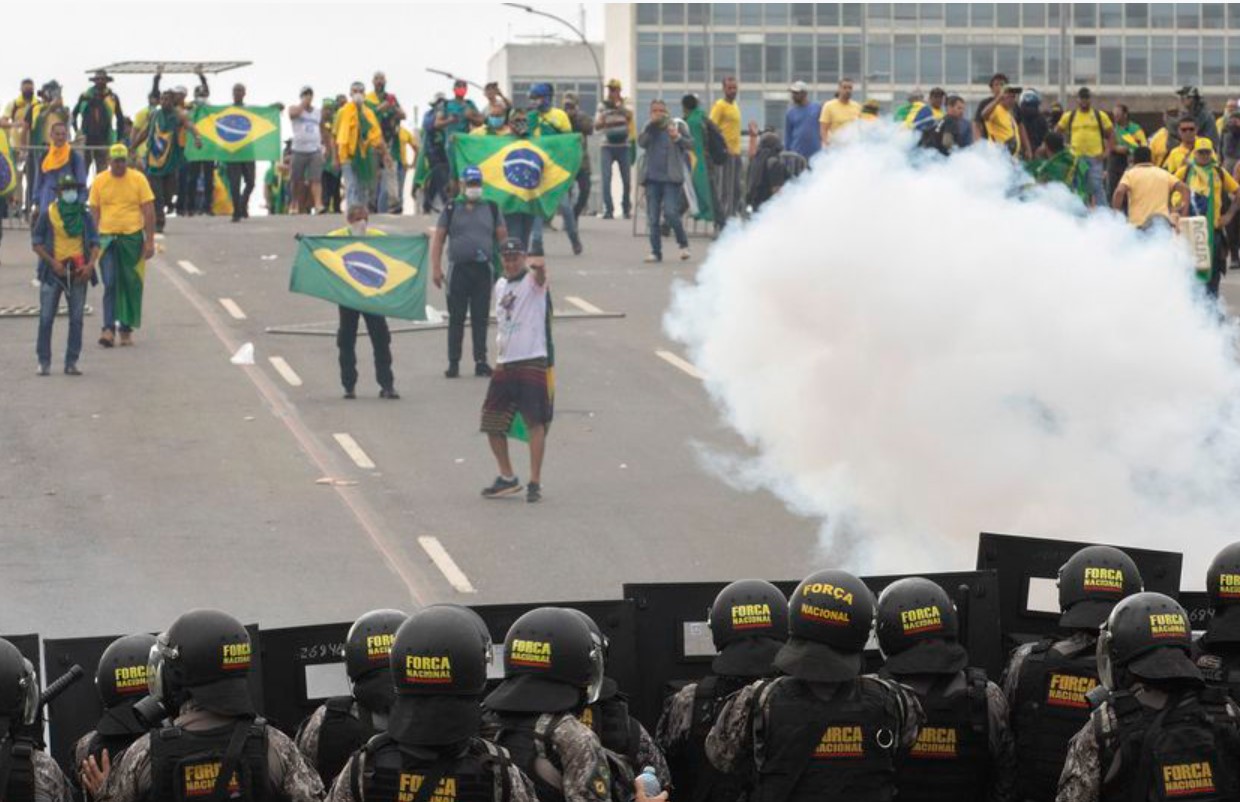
(1106, 671)
(595, 687)
(161, 652)
(30, 692)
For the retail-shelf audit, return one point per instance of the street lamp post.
(598, 69)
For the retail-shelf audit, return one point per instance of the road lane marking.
(285, 370)
(354, 451)
(583, 305)
(680, 364)
(231, 307)
(189, 267)
(446, 565)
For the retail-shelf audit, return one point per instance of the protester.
(728, 177)
(1128, 137)
(521, 382)
(1147, 191)
(98, 117)
(1167, 138)
(42, 116)
(388, 112)
(664, 145)
(1193, 107)
(951, 131)
(198, 177)
(923, 116)
(473, 229)
(615, 121)
(360, 151)
(801, 131)
(838, 112)
(358, 218)
(1220, 122)
(124, 208)
(1181, 153)
(1230, 154)
(15, 121)
(495, 95)
(330, 177)
(544, 119)
(998, 123)
(583, 124)
(1062, 166)
(1091, 135)
(1208, 184)
(66, 241)
(435, 142)
(912, 103)
(698, 188)
(496, 121)
(307, 163)
(1029, 113)
(240, 174)
(770, 166)
(407, 157)
(59, 160)
(163, 136)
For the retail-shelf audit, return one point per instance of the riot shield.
(1028, 569)
(674, 643)
(303, 667)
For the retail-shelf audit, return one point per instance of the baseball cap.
(512, 245)
(471, 175)
(118, 151)
(1203, 144)
(614, 83)
(798, 86)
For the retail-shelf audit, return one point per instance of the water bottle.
(650, 782)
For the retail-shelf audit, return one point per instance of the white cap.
(798, 86)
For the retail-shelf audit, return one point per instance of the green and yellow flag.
(379, 275)
(8, 173)
(521, 175)
(236, 134)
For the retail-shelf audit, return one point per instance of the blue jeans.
(520, 226)
(618, 156)
(49, 302)
(1097, 192)
(356, 192)
(389, 202)
(570, 223)
(107, 267)
(663, 198)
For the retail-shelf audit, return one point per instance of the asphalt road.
(167, 478)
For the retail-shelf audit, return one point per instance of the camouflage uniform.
(1011, 674)
(522, 790)
(677, 720)
(585, 776)
(50, 784)
(287, 770)
(308, 735)
(648, 752)
(729, 746)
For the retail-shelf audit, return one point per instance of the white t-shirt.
(307, 134)
(521, 312)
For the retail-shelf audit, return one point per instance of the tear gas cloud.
(916, 353)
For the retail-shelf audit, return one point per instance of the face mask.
(358, 97)
(495, 122)
(473, 193)
(358, 229)
(458, 93)
(69, 196)
(27, 93)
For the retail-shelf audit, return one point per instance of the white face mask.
(358, 97)
(473, 193)
(358, 229)
(69, 196)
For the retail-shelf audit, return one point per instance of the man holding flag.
(359, 145)
(164, 135)
(123, 207)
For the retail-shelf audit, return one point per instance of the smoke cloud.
(915, 353)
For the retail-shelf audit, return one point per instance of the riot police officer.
(29, 773)
(120, 680)
(964, 750)
(432, 751)
(342, 724)
(551, 668)
(616, 729)
(748, 623)
(216, 746)
(1157, 731)
(1217, 651)
(824, 732)
(1046, 681)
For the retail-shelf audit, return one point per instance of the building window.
(850, 57)
(957, 15)
(906, 60)
(1212, 17)
(1162, 61)
(931, 60)
(647, 59)
(1054, 65)
(1187, 15)
(1110, 15)
(803, 57)
(1033, 60)
(1233, 17)
(642, 113)
(776, 13)
(1162, 15)
(723, 56)
(723, 13)
(803, 15)
(1033, 15)
(828, 14)
(904, 12)
(1053, 14)
(698, 14)
(1187, 60)
(1085, 15)
(673, 58)
(647, 13)
(776, 58)
(878, 12)
(1233, 60)
(957, 62)
(878, 67)
(1085, 60)
(981, 62)
(1137, 15)
(696, 72)
(931, 12)
(673, 13)
(776, 112)
(751, 106)
(851, 15)
(1007, 15)
(1136, 61)
(1213, 72)
(828, 58)
(751, 13)
(1111, 61)
(982, 15)
(751, 63)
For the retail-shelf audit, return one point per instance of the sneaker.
(684, 254)
(44, 369)
(482, 369)
(126, 338)
(608, 216)
(389, 393)
(106, 338)
(502, 487)
(454, 370)
(533, 493)
(652, 258)
(349, 394)
(577, 248)
(72, 370)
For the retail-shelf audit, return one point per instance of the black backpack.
(716, 146)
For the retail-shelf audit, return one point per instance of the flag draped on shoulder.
(236, 134)
(378, 275)
(521, 175)
(130, 275)
(8, 173)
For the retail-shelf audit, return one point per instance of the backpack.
(716, 146)
(1102, 131)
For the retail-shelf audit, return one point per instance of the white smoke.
(916, 354)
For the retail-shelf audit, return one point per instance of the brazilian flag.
(8, 173)
(521, 175)
(380, 275)
(236, 134)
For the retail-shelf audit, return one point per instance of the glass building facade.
(1138, 52)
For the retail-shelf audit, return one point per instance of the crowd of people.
(1122, 704)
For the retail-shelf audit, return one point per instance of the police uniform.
(1046, 682)
(624, 735)
(562, 757)
(1217, 651)
(1156, 733)
(35, 777)
(748, 624)
(334, 731)
(478, 775)
(823, 732)
(30, 775)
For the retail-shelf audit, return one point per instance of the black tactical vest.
(1050, 708)
(615, 728)
(951, 760)
(1188, 750)
(527, 739)
(17, 767)
(475, 773)
(185, 764)
(340, 735)
(839, 749)
(696, 778)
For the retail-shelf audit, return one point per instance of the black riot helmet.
(367, 650)
(830, 616)
(205, 656)
(1223, 588)
(1091, 582)
(551, 664)
(609, 687)
(1146, 636)
(121, 675)
(748, 623)
(918, 629)
(19, 689)
(439, 664)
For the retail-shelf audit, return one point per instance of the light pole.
(598, 69)
(452, 77)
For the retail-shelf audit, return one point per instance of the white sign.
(1196, 233)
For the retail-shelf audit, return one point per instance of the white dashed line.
(680, 364)
(584, 306)
(354, 451)
(286, 372)
(446, 565)
(231, 307)
(189, 267)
